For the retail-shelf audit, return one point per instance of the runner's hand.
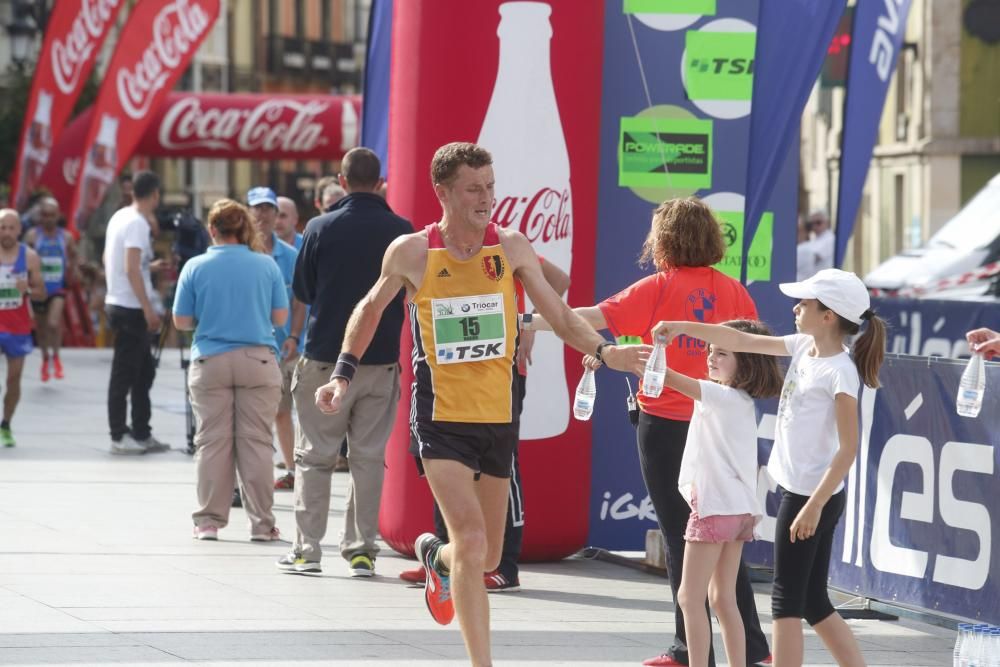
(628, 358)
(330, 396)
(22, 286)
(591, 362)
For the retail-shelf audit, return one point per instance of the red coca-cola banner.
(191, 125)
(275, 127)
(157, 44)
(74, 34)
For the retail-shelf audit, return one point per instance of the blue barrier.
(931, 328)
(923, 499)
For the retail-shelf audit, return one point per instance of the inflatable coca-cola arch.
(527, 87)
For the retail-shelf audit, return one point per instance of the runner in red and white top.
(20, 276)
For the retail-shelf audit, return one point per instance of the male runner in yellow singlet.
(459, 278)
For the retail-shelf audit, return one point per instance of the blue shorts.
(15, 345)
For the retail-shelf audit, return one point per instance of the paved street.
(97, 566)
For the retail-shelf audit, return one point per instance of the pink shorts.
(719, 528)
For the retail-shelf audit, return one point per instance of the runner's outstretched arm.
(568, 325)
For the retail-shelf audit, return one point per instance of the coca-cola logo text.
(69, 55)
(287, 125)
(177, 28)
(543, 217)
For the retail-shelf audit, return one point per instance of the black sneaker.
(362, 566)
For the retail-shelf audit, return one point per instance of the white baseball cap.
(840, 291)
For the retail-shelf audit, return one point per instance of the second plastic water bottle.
(972, 387)
(586, 394)
(656, 369)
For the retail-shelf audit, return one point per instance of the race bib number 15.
(469, 328)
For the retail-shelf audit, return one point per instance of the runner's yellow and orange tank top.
(464, 322)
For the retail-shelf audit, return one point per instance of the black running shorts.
(484, 448)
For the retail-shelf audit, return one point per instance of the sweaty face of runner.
(469, 198)
(10, 229)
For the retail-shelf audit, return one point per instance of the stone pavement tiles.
(97, 566)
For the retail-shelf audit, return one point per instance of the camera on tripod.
(190, 237)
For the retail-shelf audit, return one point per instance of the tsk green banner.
(705, 7)
(759, 261)
(665, 152)
(719, 65)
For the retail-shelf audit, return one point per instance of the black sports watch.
(600, 349)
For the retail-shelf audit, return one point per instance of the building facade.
(939, 136)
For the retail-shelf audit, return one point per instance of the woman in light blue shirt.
(233, 297)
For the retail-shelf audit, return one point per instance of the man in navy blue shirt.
(340, 260)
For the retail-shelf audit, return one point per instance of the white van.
(966, 242)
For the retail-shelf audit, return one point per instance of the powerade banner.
(157, 43)
(791, 46)
(74, 34)
(923, 500)
(690, 136)
(875, 40)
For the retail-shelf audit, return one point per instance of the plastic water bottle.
(961, 640)
(978, 646)
(972, 387)
(656, 369)
(994, 651)
(967, 656)
(586, 394)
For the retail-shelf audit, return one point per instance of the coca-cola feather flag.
(157, 44)
(75, 31)
(63, 169)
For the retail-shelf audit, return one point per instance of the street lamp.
(22, 32)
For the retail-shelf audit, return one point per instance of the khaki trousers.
(366, 418)
(235, 397)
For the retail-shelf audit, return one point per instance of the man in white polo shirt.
(128, 254)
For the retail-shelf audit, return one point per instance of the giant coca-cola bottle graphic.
(523, 131)
(98, 169)
(36, 149)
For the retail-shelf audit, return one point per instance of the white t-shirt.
(720, 454)
(823, 247)
(805, 260)
(127, 228)
(806, 439)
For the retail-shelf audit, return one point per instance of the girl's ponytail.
(869, 349)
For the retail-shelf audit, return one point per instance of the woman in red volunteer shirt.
(683, 244)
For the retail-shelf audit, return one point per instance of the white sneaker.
(127, 446)
(154, 446)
